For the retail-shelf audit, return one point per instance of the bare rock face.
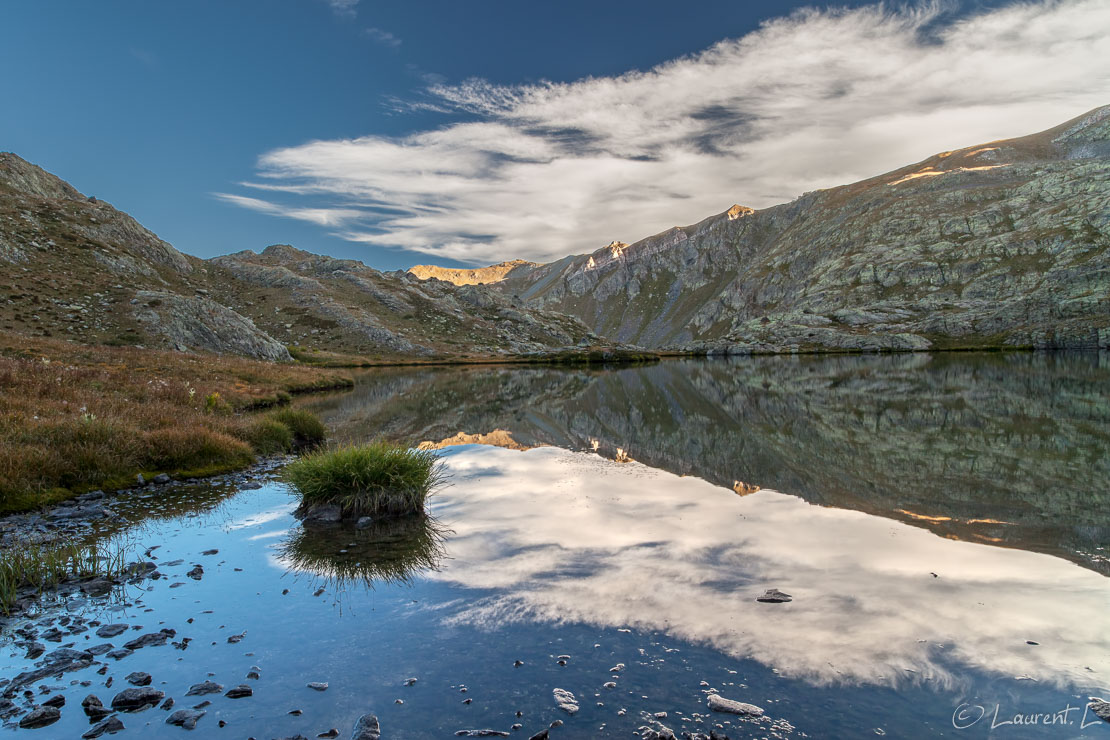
(200, 323)
(1000, 245)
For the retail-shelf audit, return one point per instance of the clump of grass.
(268, 436)
(377, 479)
(196, 449)
(41, 567)
(306, 428)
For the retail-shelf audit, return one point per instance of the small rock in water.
(136, 700)
(364, 522)
(111, 725)
(518, 663)
(318, 685)
(333, 732)
(481, 733)
(367, 728)
(111, 630)
(205, 687)
(186, 718)
(239, 692)
(40, 717)
(58, 701)
(1100, 708)
(720, 704)
(565, 700)
(211, 552)
(138, 678)
(196, 573)
(774, 596)
(236, 638)
(409, 681)
(541, 735)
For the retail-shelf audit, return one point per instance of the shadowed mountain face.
(1000, 244)
(77, 268)
(997, 448)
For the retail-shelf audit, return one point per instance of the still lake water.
(941, 523)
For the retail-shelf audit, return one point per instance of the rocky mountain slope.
(995, 245)
(75, 267)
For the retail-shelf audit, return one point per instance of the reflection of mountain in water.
(1006, 448)
(388, 551)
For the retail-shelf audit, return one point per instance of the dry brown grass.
(75, 417)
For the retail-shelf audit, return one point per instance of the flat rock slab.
(111, 630)
(720, 704)
(151, 638)
(136, 700)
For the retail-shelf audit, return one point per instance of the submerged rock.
(565, 701)
(186, 718)
(109, 631)
(320, 513)
(367, 728)
(111, 725)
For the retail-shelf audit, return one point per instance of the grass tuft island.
(375, 480)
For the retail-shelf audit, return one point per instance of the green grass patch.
(268, 436)
(377, 479)
(306, 428)
(40, 567)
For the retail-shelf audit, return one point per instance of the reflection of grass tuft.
(377, 479)
(389, 551)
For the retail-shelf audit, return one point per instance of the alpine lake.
(936, 527)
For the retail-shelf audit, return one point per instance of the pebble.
(318, 685)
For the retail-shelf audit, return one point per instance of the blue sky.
(468, 132)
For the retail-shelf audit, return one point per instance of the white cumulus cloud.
(811, 100)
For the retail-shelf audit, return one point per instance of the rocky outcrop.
(472, 276)
(197, 323)
(1005, 244)
(344, 305)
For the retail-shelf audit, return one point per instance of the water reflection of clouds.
(566, 536)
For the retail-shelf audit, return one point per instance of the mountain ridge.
(911, 259)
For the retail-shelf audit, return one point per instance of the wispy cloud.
(330, 217)
(812, 100)
(385, 38)
(343, 7)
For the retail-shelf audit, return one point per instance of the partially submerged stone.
(720, 704)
